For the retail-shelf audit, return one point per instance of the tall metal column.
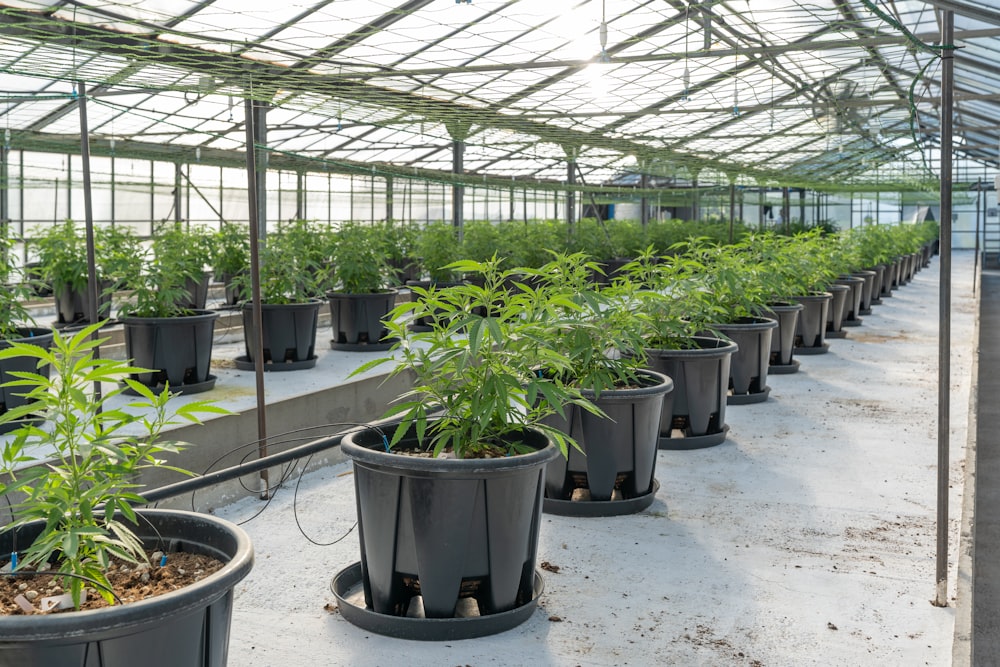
(802, 206)
(732, 208)
(5, 185)
(259, 125)
(389, 199)
(944, 306)
(644, 202)
(458, 191)
(88, 216)
(570, 194)
(178, 200)
(256, 233)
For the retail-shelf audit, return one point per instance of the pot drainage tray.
(747, 399)
(783, 369)
(600, 507)
(695, 441)
(347, 587)
(243, 363)
(819, 349)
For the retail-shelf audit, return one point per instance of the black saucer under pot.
(700, 372)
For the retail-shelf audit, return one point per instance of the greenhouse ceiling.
(821, 94)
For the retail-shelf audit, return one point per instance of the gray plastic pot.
(428, 526)
(837, 310)
(701, 381)
(617, 451)
(749, 365)
(289, 334)
(177, 350)
(11, 397)
(188, 627)
(783, 339)
(810, 336)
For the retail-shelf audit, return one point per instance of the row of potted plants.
(514, 367)
(520, 364)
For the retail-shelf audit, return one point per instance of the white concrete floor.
(808, 538)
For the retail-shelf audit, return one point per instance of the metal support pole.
(256, 233)
(458, 191)
(979, 196)
(177, 193)
(696, 200)
(944, 305)
(259, 126)
(732, 209)
(88, 217)
(389, 199)
(802, 206)
(644, 202)
(570, 194)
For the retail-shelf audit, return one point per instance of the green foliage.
(671, 293)
(118, 253)
(13, 293)
(230, 250)
(437, 248)
(398, 242)
(62, 255)
(595, 327)
(85, 460)
(178, 255)
(359, 260)
(477, 379)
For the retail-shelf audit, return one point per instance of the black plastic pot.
(786, 313)
(867, 289)
(881, 273)
(231, 289)
(9, 396)
(357, 320)
(188, 627)
(178, 350)
(852, 302)
(810, 336)
(289, 336)
(892, 277)
(197, 293)
(446, 529)
(73, 305)
(838, 307)
(697, 416)
(617, 452)
(749, 365)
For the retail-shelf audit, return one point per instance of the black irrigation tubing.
(269, 461)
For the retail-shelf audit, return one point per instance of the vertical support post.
(5, 185)
(256, 233)
(88, 216)
(458, 191)
(944, 305)
(760, 204)
(696, 201)
(258, 116)
(979, 196)
(802, 206)
(113, 186)
(389, 199)
(178, 201)
(300, 196)
(644, 201)
(570, 193)
(732, 209)
(510, 212)
(786, 209)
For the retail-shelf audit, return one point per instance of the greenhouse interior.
(575, 332)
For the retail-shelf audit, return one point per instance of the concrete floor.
(807, 538)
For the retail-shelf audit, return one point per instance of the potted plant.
(16, 325)
(596, 327)
(679, 310)
(361, 298)
(71, 487)
(230, 259)
(289, 307)
(164, 333)
(471, 427)
(62, 262)
(438, 248)
(806, 273)
(740, 290)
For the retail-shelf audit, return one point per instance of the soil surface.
(130, 582)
